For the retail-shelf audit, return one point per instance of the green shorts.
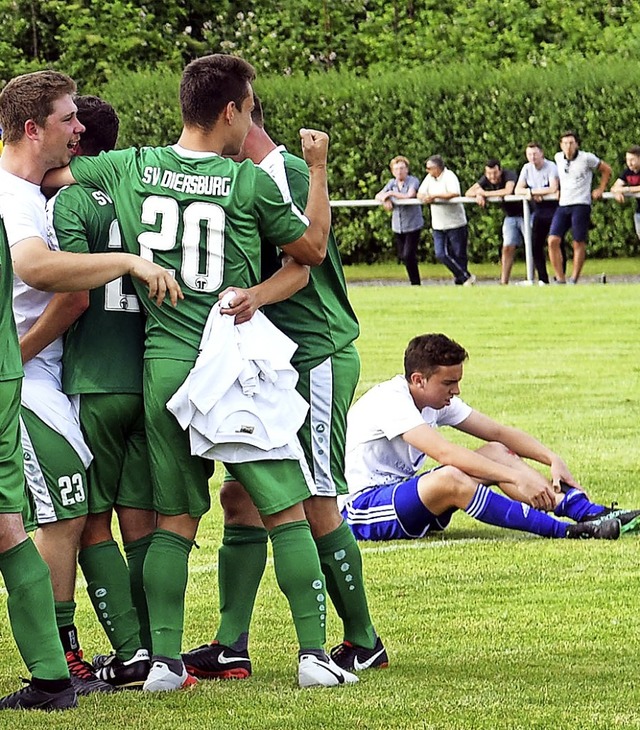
(272, 485)
(55, 475)
(12, 488)
(328, 388)
(180, 481)
(113, 426)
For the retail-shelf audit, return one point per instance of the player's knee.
(497, 452)
(235, 503)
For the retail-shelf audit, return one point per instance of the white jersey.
(376, 453)
(22, 206)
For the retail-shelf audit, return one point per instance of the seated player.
(393, 427)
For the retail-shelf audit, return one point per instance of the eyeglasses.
(566, 165)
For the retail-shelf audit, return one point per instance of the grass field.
(486, 628)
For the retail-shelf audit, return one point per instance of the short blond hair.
(399, 158)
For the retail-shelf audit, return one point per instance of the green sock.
(109, 590)
(342, 567)
(165, 582)
(300, 578)
(31, 611)
(136, 553)
(243, 553)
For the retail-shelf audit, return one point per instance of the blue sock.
(494, 509)
(576, 506)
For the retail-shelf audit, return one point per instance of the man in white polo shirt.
(575, 171)
(449, 222)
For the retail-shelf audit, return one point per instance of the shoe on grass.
(217, 661)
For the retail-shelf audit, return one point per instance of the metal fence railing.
(526, 213)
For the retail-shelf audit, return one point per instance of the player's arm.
(311, 247)
(605, 175)
(521, 443)
(57, 178)
(61, 312)
(282, 284)
(40, 267)
(532, 490)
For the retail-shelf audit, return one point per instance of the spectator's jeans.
(451, 250)
(407, 249)
(636, 223)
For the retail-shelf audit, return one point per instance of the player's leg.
(278, 489)
(329, 388)
(57, 491)
(243, 552)
(109, 422)
(26, 578)
(447, 487)
(181, 496)
(573, 503)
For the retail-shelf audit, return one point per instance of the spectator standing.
(497, 182)
(629, 182)
(406, 220)
(575, 172)
(449, 222)
(539, 178)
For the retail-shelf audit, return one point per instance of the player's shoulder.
(294, 163)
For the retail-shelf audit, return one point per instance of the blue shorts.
(571, 217)
(513, 230)
(394, 512)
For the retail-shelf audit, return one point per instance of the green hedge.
(464, 113)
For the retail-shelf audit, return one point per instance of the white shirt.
(444, 217)
(376, 453)
(22, 206)
(239, 401)
(576, 177)
(536, 179)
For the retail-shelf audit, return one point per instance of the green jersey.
(200, 216)
(10, 359)
(319, 318)
(103, 349)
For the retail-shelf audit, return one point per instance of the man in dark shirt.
(629, 182)
(497, 182)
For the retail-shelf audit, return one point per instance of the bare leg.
(555, 256)
(508, 255)
(58, 543)
(579, 255)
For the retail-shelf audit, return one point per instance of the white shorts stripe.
(321, 393)
(36, 482)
